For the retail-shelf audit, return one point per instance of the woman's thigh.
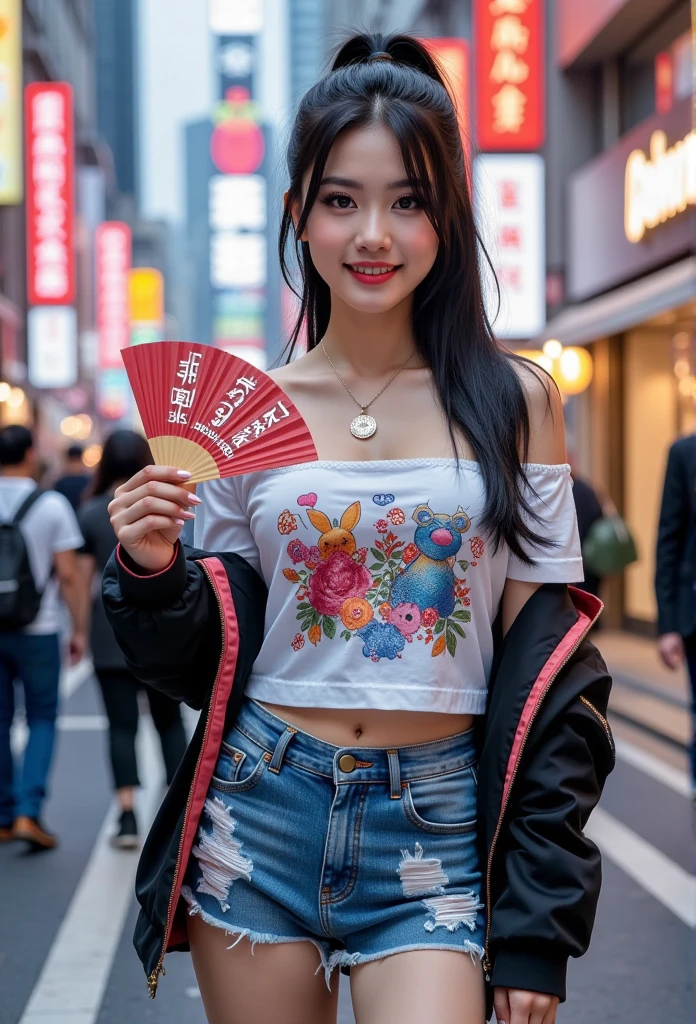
(277, 982)
(440, 986)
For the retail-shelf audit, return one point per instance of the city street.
(67, 917)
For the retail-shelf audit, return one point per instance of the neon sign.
(660, 186)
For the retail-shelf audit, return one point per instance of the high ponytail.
(395, 82)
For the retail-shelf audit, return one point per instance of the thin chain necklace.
(364, 426)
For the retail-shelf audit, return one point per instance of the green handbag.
(608, 547)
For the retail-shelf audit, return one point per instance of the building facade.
(630, 262)
(57, 44)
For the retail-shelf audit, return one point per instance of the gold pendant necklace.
(364, 425)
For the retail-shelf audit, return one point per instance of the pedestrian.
(124, 454)
(588, 509)
(675, 570)
(74, 480)
(29, 641)
(364, 789)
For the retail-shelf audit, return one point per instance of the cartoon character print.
(428, 582)
(410, 592)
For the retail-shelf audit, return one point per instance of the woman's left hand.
(515, 1006)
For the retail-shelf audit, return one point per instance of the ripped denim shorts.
(363, 851)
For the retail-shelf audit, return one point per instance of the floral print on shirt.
(408, 586)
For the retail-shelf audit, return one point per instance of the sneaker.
(33, 832)
(127, 836)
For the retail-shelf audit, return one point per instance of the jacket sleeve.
(546, 909)
(167, 624)
(671, 540)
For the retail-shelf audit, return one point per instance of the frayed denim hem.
(342, 958)
(339, 957)
(263, 937)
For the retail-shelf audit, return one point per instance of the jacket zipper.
(486, 961)
(153, 977)
(602, 719)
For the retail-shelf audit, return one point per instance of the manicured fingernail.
(188, 515)
(183, 473)
(179, 522)
(194, 499)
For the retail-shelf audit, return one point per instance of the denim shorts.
(363, 851)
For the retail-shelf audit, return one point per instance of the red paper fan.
(212, 413)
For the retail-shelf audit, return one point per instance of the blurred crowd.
(56, 538)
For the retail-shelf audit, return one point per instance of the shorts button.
(346, 763)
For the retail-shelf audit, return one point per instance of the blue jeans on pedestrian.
(35, 662)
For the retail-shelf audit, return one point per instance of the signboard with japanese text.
(11, 178)
(50, 165)
(52, 346)
(112, 245)
(509, 204)
(509, 39)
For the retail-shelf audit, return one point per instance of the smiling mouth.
(372, 271)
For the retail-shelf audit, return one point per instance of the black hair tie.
(380, 55)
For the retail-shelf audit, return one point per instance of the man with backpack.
(39, 537)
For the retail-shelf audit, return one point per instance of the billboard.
(235, 17)
(509, 41)
(112, 245)
(11, 178)
(50, 202)
(509, 204)
(52, 345)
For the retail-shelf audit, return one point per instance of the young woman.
(327, 810)
(124, 454)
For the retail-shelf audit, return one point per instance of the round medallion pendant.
(363, 426)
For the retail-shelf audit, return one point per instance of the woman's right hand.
(148, 513)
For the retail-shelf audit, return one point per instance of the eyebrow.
(333, 179)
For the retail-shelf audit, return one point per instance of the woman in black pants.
(125, 452)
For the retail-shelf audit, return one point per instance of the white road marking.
(658, 769)
(73, 676)
(71, 985)
(669, 883)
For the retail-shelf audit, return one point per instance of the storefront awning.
(624, 307)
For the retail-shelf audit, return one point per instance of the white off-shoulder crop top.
(382, 585)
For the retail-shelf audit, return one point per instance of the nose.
(442, 537)
(373, 233)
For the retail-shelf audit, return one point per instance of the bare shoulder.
(546, 421)
(298, 371)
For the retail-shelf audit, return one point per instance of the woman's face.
(366, 219)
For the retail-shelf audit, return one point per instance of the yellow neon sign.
(660, 186)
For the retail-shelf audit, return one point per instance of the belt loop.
(280, 748)
(394, 775)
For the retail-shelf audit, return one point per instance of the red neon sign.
(50, 202)
(112, 245)
(509, 39)
(453, 56)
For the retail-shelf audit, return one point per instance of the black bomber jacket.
(193, 631)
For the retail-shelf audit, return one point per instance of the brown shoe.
(6, 833)
(33, 832)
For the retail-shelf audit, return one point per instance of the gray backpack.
(19, 597)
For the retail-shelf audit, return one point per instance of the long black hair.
(477, 383)
(124, 454)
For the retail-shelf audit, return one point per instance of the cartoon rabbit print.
(336, 538)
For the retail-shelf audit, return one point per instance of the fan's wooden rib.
(184, 454)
